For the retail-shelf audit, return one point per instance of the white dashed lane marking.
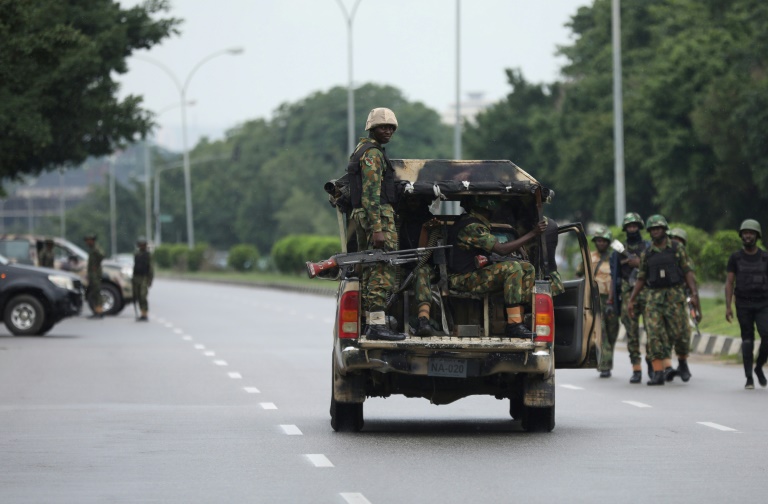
(572, 387)
(717, 426)
(178, 331)
(319, 460)
(268, 405)
(187, 338)
(637, 404)
(235, 376)
(199, 347)
(291, 430)
(220, 363)
(251, 390)
(209, 353)
(354, 498)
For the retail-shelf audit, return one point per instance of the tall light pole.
(112, 207)
(618, 115)
(183, 92)
(458, 125)
(349, 17)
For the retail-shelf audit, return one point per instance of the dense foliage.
(58, 98)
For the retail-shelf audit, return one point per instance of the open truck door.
(578, 328)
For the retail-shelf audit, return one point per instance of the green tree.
(58, 98)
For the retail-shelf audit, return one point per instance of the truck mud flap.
(539, 392)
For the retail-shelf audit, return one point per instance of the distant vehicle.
(116, 280)
(33, 299)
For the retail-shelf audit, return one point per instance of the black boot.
(517, 331)
(683, 371)
(637, 377)
(605, 373)
(423, 328)
(650, 367)
(657, 378)
(761, 376)
(382, 332)
(750, 384)
(670, 373)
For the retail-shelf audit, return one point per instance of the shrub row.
(179, 257)
(290, 254)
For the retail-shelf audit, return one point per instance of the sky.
(294, 48)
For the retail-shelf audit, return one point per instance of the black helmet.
(91, 236)
(141, 240)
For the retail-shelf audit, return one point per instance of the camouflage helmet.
(481, 201)
(379, 116)
(751, 225)
(602, 232)
(680, 234)
(632, 217)
(141, 240)
(91, 236)
(657, 221)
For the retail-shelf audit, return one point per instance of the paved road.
(223, 397)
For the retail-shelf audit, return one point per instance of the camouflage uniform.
(632, 324)
(95, 256)
(378, 279)
(515, 278)
(666, 322)
(610, 320)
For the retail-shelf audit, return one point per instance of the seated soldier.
(471, 236)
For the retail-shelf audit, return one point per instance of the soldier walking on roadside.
(95, 256)
(665, 268)
(46, 258)
(372, 191)
(625, 267)
(601, 268)
(749, 269)
(143, 273)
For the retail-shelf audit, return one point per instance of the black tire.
(538, 419)
(112, 299)
(345, 417)
(24, 315)
(47, 326)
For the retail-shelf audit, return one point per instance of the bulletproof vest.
(663, 270)
(633, 249)
(387, 194)
(141, 264)
(752, 276)
(461, 260)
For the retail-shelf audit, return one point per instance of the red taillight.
(349, 314)
(545, 318)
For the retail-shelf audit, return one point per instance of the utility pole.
(618, 115)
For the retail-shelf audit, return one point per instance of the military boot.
(683, 371)
(657, 378)
(670, 373)
(750, 384)
(761, 376)
(517, 331)
(382, 332)
(650, 366)
(423, 327)
(637, 377)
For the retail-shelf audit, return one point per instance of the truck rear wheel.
(345, 417)
(538, 419)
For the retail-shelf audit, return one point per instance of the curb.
(702, 344)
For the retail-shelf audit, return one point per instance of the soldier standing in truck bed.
(46, 257)
(372, 191)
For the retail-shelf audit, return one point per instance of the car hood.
(43, 271)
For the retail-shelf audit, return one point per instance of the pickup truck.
(469, 353)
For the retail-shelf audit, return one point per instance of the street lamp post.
(618, 115)
(182, 88)
(349, 16)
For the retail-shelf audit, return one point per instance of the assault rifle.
(482, 261)
(393, 257)
(694, 315)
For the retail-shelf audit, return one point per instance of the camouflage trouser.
(556, 283)
(632, 325)
(93, 293)
(610, 325)
(422, 284)
(379, 278)
(666, 322)
(140, 291)
(516, 279)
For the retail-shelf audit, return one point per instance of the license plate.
(452, 368)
